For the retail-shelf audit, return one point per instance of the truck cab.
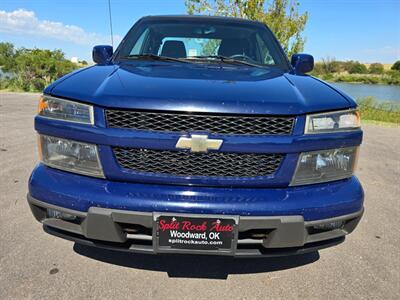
(197, 135)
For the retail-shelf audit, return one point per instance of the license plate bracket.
(195, 234)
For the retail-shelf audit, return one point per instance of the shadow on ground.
(191, 266)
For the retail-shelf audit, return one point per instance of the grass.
(380, 123)
(371, 110)
(12, 90)
(390, 78)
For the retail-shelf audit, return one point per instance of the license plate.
(195, 234)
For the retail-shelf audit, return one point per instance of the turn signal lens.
(42, 105)
(65, 110)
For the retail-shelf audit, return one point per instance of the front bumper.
(119, 215)
(132, 231)
(80, 193)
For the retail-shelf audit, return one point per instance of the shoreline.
(368, 79)
(360, 82)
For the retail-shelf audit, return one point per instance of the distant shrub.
(376, 68)
(353, 71)
(330, 65)
(392, 77)
(357, 68)
(318, 70)
(396, 66)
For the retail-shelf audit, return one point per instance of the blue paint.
(212, 88)
(199, 88)
(290, 145)
(80, 192)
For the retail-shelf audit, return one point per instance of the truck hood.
(199, 88)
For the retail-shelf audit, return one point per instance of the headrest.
(175, 49)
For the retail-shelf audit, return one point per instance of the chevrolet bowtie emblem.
(198, 143)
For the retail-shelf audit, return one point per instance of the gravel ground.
(38, 266)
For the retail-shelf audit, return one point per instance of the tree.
(281, 16)
(210, 47)
(396, 66)
(33, 69)
(7, 53)
(376, 68)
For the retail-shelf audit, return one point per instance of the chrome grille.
(187, 122)
(185, 163)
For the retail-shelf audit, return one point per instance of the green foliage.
(7, 52)
(357, 68)
(384, 112)
(352, 71)
(31, 69)
(330, 65)
(210, 48)
(367, 79)
(392, 77)
(376, 68)
(281, 16)
(396, 66)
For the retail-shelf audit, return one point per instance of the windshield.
(202, 41)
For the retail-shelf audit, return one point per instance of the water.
(382, 93)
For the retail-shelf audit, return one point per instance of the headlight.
(333, 121)
(325, 165)
(70, 156)
(65, 110)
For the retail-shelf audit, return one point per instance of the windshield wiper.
(154, 57)
(226, 59)
(221, 58)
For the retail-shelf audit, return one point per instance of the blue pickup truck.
(197, 135)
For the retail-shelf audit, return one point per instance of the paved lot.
(36, 265)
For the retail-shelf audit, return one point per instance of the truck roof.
(203, 18)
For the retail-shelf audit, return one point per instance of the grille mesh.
(185, 163)
(184, 122)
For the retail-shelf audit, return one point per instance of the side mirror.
(302, 63)
(101, 54)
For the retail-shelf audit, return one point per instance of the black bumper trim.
(147, 249)
(107, 227)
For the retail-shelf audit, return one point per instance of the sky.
(363, 30)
